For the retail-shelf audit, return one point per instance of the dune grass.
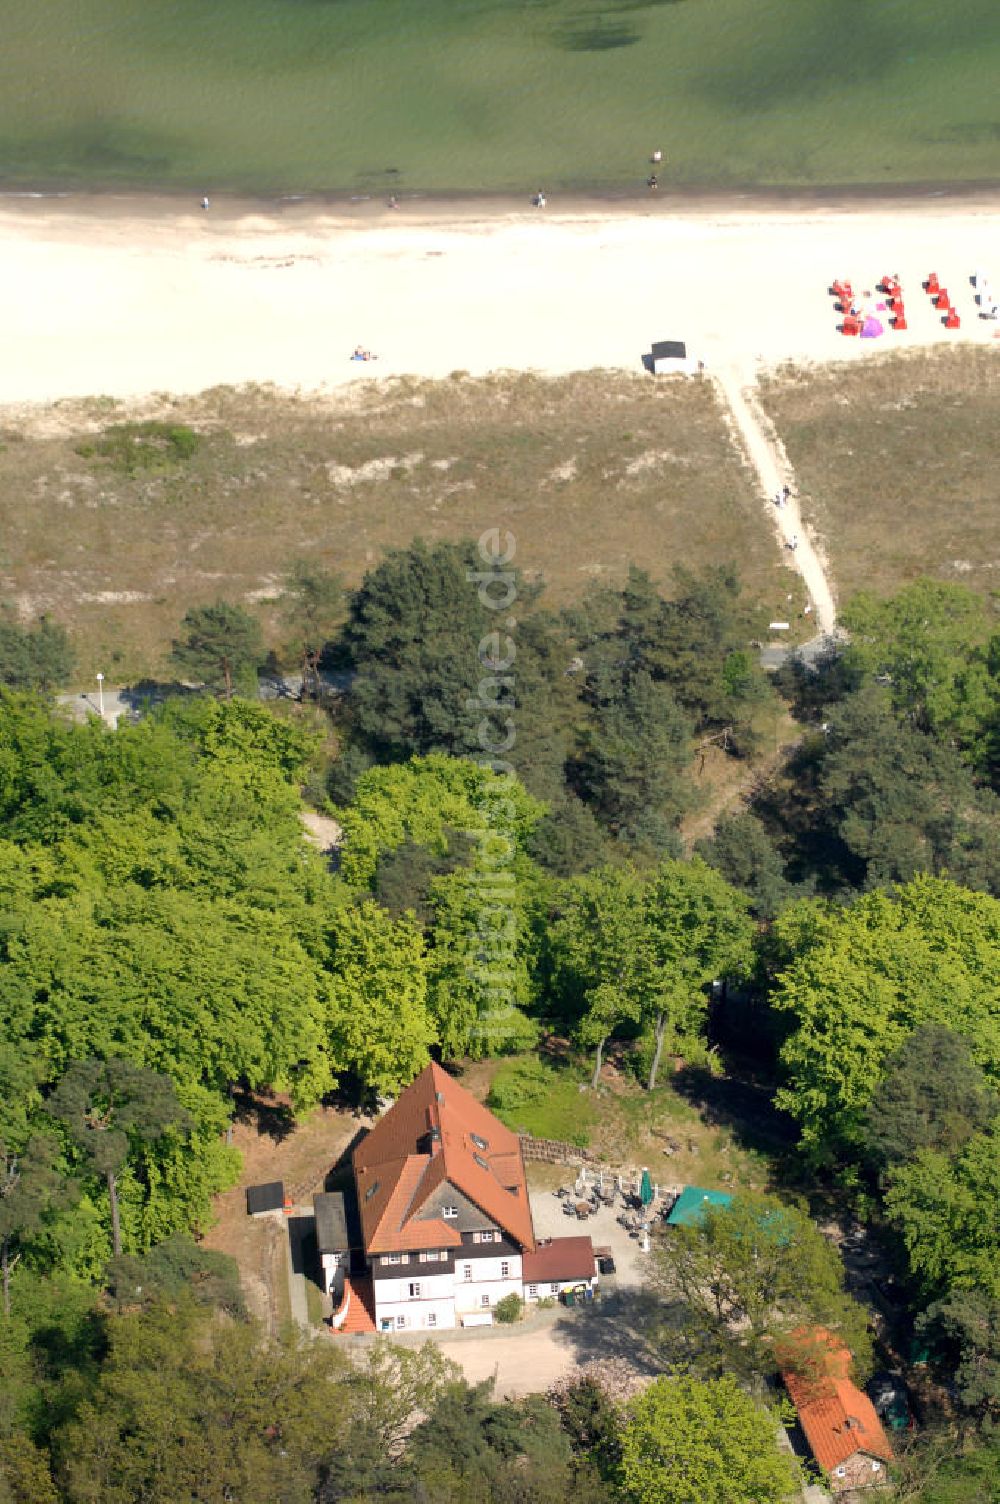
(591, 473)
(896, 462)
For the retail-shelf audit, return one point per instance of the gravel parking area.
(550, 1221)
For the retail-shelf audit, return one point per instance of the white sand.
(126, 297)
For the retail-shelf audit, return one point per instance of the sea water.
(370, 97)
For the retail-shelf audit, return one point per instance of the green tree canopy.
(379, 1016)
(601, 955)
(963, 1330)
(947, 1211)
(857, 981)
(929, 642)
(221, 646)
(685, 1441)
(312, 608)
(700, 930)
(425, 802)
(190, 1410)
(932, 1096)
(748, 1272)
(34, 658)
(108, 1105)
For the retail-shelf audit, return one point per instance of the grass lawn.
(691, 1130)
(896, 461)
(590, 473)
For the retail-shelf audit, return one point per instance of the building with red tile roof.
(838, 1419)
(443, 1203)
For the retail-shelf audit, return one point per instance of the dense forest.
(510, 784)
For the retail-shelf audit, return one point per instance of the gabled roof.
(437, 1135)
(837, 1417)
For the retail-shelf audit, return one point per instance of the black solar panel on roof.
(265, 1198)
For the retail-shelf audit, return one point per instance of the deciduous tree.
(106, 1107)
(685, 1441)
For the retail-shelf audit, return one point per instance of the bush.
(131, 447)
(508, 1310)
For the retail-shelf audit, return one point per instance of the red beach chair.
(899, 318)
(942, 300)
(851, 325)
(952, 321)
(932, 285)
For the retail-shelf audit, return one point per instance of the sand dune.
(127, 297)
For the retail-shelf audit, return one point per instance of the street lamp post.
(100, 695)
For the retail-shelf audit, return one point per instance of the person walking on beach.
(205, 203)
(786, 492)
(539, 199)
(779, 499)
(793, 542)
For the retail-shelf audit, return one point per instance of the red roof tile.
(837, 1417)
(437, 1134)
(559, 1259)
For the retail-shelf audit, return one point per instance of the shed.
(265, 1198)
(671, 355)
(690, 1206)
(334, 1239)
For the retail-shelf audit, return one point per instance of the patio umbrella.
(872, 328)
(645, 1188)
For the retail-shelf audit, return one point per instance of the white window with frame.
(504, 1269)
(390, 1258)
(555, 1289)
(414, 1289)
(531, 1291)
(400, 1323)
(449, 1211)
(432, 1318)
(484, 1300)
(467, 1271)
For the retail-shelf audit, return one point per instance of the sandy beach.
(126, 296)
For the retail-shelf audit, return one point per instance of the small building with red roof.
(837, 1418)
(445, 1218)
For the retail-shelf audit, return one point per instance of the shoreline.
(667, 199)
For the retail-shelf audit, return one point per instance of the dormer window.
(449, 1211)
(480, 1161)
(480, 1143)
(371, 1190)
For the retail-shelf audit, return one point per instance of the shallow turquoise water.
(367, 95)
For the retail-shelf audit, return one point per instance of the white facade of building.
(418, 1299)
